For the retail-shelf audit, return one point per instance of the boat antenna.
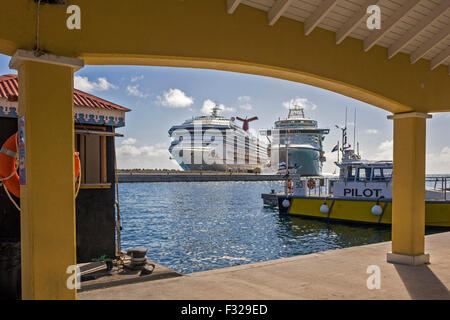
(344, 145)
(338, 151)
(354, 131)
(346, 118)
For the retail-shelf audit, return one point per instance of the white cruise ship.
(216, 143)
(297, 142)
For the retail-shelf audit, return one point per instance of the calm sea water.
(193, 227)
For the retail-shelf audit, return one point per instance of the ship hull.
(307, 160)
(437, 213)
(218, 165)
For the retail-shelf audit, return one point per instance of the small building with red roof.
(95, 121)
(88, 109)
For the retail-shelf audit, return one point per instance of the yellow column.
(47, 198)
(408, 194)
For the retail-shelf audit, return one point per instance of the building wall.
(95, 212)
(96, 216)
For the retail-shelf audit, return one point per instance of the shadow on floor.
(422, 283)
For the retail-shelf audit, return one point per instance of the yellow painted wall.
(47, 200)
(201, 34)
(408, 189)
(182, 33)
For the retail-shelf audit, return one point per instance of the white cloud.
(301, 102)
(83, 84)
(137, 78)
(156, 156)
(134, 91)
(208, 105)
(246, 106)
(439, 163)
(129, 141)
(383, 152)
(175, 98)
(371, 131)
(245, 103)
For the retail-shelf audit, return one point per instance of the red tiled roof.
(9, 89)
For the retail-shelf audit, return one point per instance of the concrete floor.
(336, 274)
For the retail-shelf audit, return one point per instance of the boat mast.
(354, 131)
(338, 151)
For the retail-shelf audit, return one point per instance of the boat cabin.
(365, 171)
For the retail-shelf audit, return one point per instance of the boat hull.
(437, 213)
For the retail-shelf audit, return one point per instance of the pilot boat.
(362, 193)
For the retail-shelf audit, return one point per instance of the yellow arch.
(200, 34)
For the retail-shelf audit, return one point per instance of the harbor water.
(200, 226)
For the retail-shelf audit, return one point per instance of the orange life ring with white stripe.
(291, 184)
(311, 184)
(8, 156)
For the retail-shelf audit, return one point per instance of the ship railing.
(439, 183)
(322, 186)
(318, 186)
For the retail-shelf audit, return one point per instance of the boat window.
(351, 173)
(364, 174)
(377, 174)
(387, 173)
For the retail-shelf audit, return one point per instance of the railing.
(440, 184)
(322, 185)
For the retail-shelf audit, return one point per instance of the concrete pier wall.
(181, 177)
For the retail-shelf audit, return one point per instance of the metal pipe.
(100, 133)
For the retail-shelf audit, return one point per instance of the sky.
(161, 97)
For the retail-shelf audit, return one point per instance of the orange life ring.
(8, 155)
(311, 184)
(291, 184)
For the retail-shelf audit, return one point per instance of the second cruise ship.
(297, 142)
(215, 143)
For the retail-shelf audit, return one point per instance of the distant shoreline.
(194, 177)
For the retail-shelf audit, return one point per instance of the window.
(92, 149)
(364, 174)
(351, 173)
(387, 173)
(377, 174)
